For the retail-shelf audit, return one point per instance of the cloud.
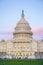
(6, 32)
(38, 31)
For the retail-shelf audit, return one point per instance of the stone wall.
(40, 46)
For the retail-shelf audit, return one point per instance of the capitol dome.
(22, 29)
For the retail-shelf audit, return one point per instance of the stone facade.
(23, 45)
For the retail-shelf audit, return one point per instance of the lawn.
(21, 62)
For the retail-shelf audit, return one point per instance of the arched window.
(30, 54)
(27, 54)
(20, 53)
(16, 54)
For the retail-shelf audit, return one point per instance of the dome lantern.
(22, 13)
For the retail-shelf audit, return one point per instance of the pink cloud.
(38, 31)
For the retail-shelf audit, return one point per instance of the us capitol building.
(22, 46)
